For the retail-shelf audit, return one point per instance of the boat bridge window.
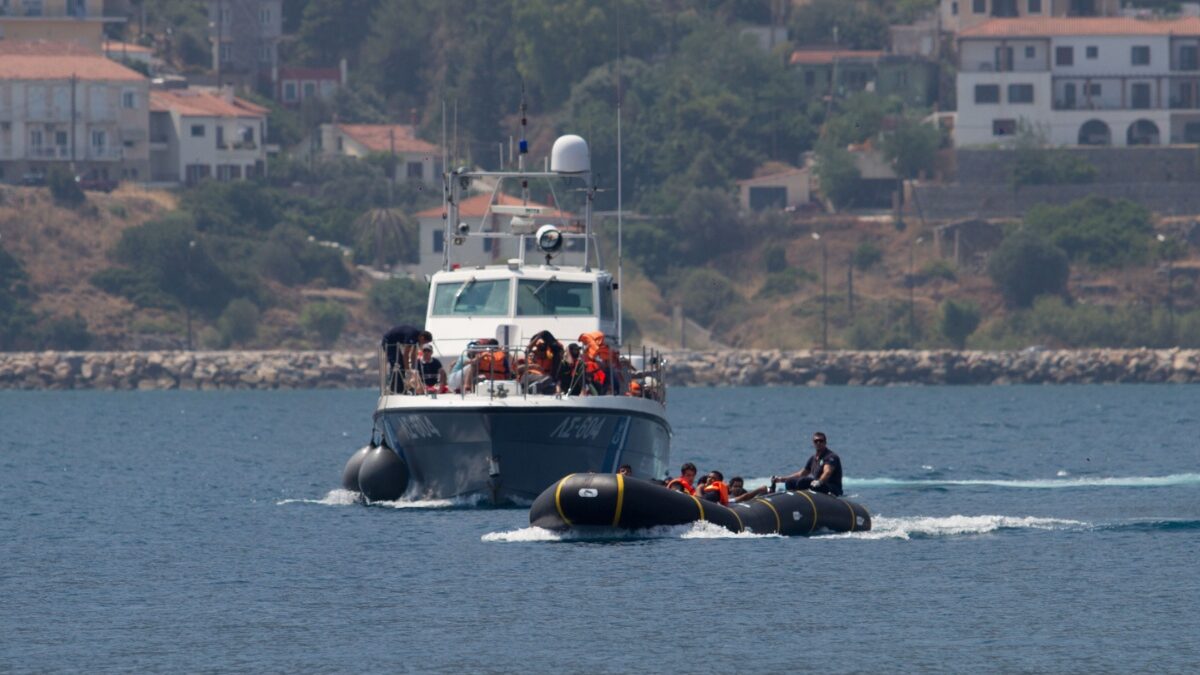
(550, 297)
(606, 301)
(480, 298)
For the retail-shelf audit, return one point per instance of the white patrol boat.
(504, 438)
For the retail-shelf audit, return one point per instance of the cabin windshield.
(480, 298)
(550, 297)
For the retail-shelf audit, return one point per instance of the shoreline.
(206, 370)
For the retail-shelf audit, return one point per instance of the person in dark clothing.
(571, 371)
(400, 343)
(432, 373)
(822, 473)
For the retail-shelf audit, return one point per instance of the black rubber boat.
(611, 501)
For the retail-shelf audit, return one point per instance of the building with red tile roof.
(200, 134)
(417, 159)
(78, 21)
(65, 104)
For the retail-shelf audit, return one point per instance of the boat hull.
(510, 453)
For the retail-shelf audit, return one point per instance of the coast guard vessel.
(501, 438)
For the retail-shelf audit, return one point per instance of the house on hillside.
(912, 78)
(245, 36)
(474, 211)
(199, 134)
(62, 104)
(1080, 81)
(416, 159)
(958, 15)
(294, 85)
(775, 191)
(78, 21)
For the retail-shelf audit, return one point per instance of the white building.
(66, 105)
(959, 15)
(786, 189)
(197, 134)
(415, 159)
(1080, 81)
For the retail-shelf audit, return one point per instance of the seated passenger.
(600, 363)
(687, 474)
(543, 359)
(433, 375)
(715, 489)
(625, 470)
(489, 363)
(570, 371)
(737, 490)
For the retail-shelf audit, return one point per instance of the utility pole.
(912, 300)
(824, 292)
(850, 285)
(391, 164)
(74, 81)
(220, 39)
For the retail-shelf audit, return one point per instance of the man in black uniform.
(400, 344)
(822, 473)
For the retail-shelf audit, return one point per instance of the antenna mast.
(620, 259)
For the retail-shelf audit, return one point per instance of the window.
(1020, 93)
(979, 6)
(197, 131)
(60, 139)
(1064, 56)
(220, 136)
(606, 301)
(35, 138)
(987, 93)
(439, 241)
(1004, 127)
(310, 89)
(414, 170)
(289, 91)
(1139, 55)
(548, 297)
(1094, 90)
(1092, 51)
(487, 244)
(264, 15)
(1141, 96)
(954, 8)
(99, 139)
(810, 78)
(129, 100)
(226, 53)
(1035, 6)
(481, 298)
(1030, 52)
(1004, 59)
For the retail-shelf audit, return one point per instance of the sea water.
(1015, 529)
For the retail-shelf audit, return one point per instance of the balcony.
(103, 154)
(48, 152)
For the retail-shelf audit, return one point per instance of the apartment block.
(64, 105)
(199, 134)
(959, 15)
(1080, 81)
(78, 21)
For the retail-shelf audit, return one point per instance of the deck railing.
(641, 374)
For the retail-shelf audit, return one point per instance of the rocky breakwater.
(815, 368)
(329, 370)
(187, 370)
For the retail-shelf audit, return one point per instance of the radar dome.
(570, 155)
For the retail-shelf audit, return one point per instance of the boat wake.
(1173, 480)
(923, 527)
(700, 530)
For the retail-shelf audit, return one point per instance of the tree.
(912, 147)
(1096, 230)
(837, 175)
(707, 224)
(398, 301)
(1025, 266)
(958, 320)
(858, 24)
(325, 320)
(705, 294)
(239, 322)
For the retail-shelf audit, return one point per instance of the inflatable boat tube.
(611, 501)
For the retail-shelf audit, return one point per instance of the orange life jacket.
(493, 365)
(598, 356)
(681, 483)
(721, 489)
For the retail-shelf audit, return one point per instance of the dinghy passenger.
(687, 474)
(822, 473)
(625, 470)
(715, 489)
(737, 490)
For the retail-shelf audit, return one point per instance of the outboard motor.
(382, 475)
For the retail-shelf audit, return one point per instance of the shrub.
(1096, 230)
(64, 189)
(837, 174)
(325, 320)
(784, 283)
(867, 255)
(175, 261)
(937, 269)
(1036, 166)
(704, 294)
(775, 259)
(399, 301)
(912, 147)
(957, 321)
(1025, 266)
(136, 286)
(238, 324)
(66, 333)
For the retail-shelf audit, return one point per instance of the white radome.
(570, 155)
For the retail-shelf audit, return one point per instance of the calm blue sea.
(1017, 529)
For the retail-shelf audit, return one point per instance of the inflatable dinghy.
(613, 501)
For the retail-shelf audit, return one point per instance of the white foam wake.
(947, 526)
(1036, 484)
(350, 497)
(332, 498)
(699, 530)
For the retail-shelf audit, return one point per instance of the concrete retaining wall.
(303, 370)
(948, 202)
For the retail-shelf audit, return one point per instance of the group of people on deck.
(590, 366)
(822, 473)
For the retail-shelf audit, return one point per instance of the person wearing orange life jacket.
(600, 361)
(543, 359)
(687, 474)
(715, 490)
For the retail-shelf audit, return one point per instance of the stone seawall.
(330, 370)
